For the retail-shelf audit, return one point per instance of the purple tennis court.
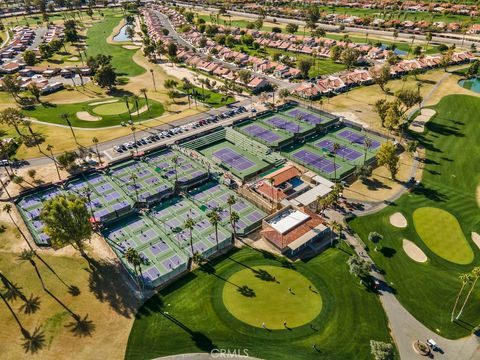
(344, 152)
(316, 161)
(284, 124)
(261, 133)
(233, 159)
(312, 119)
(357, 138)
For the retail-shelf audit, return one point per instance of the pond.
(471, 84)
(122, 34)
(396, 51)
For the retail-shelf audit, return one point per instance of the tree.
(283, 93)
(172, 50)
(234, 218)
(335, 228)
(130, 32)
(50, 150)
(387, 156)
(381, 350)
(291, 28)
(29, 58)
(408, 98)
(244, 76)
(358, 266)
(11, 84)
(335, 52)
(67, 221)
(304, 65)
(35, 91)
(381, 106)
(106, 76)
(428, 37)
(475, 274)
(392, 119)
(95, 142)
(411, 146)
(417, 50)
(375, 237)
(381, 76)
(446, 59)
(214, 218)
(12, 117)
(189, 225)
(133, 258)
(258, 24)
(349, 57)
(67, 160)
(465, 279)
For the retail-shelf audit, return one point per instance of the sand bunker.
(398, 220)
(103, 102)
(418, 125)
(84, 115)
(141, 110)
(476, 238)
(478, 195)
(413, 251)
(73, 58)
(131, 47)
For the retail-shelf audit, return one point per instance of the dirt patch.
(86, 116)
(398, 220)
(413, 251)
(418, 125)
(476, 239)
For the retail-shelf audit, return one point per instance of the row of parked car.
(162, 134)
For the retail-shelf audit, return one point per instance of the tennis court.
(107, 200)
(176, 167)
(141, 181)
(239, 162)
(344, 151)
(278, 121)
(265, 134)
(354, 136)
(309, 116)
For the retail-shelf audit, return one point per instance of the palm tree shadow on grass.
(109, 283)
(81, 327)
(246, 291)
(33, 342)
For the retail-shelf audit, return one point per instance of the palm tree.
(133, 258)
(135, 99)
(133, 128)
(143, 91)
(232, 200)
(475, 275)
(336, 147)
(190, 224)
(95, 141)
(4, 186)
(66, 117)
(50, 149)
(153, 79)
(465, 279)
(367, 144)
(337, 228)
(134, 178)
(234, 217)
(214, 218)
(28, 124)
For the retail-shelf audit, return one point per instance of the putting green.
(260, 295)
(442, 233)
(112, 108)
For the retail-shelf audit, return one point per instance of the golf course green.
(443, 211)
(442, 233)
(283, 295)
(112, 108)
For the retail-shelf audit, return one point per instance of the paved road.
(330, 27)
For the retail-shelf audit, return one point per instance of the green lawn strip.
(450, 178)
(212, 98)
(121, 57)
(196, 319)
(442, 233)
(52, 113)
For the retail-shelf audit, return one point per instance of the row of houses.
(22, 38)
(199, 60)
(54, 32)
(335, 84)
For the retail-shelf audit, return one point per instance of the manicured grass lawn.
(442, 233)
(52, 113)
(190, 316)
(267, 288)
(111, 109)
(212, 98)
(450, 178)
(97, 44)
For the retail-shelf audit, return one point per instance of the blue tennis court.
(357, 138)
(284, 124)
(233, 159)
(316, 161)
(344, 151)
(308, 117)
(262, 133)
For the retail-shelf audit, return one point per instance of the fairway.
(112, 109)
(267, 288)
(442, 233)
